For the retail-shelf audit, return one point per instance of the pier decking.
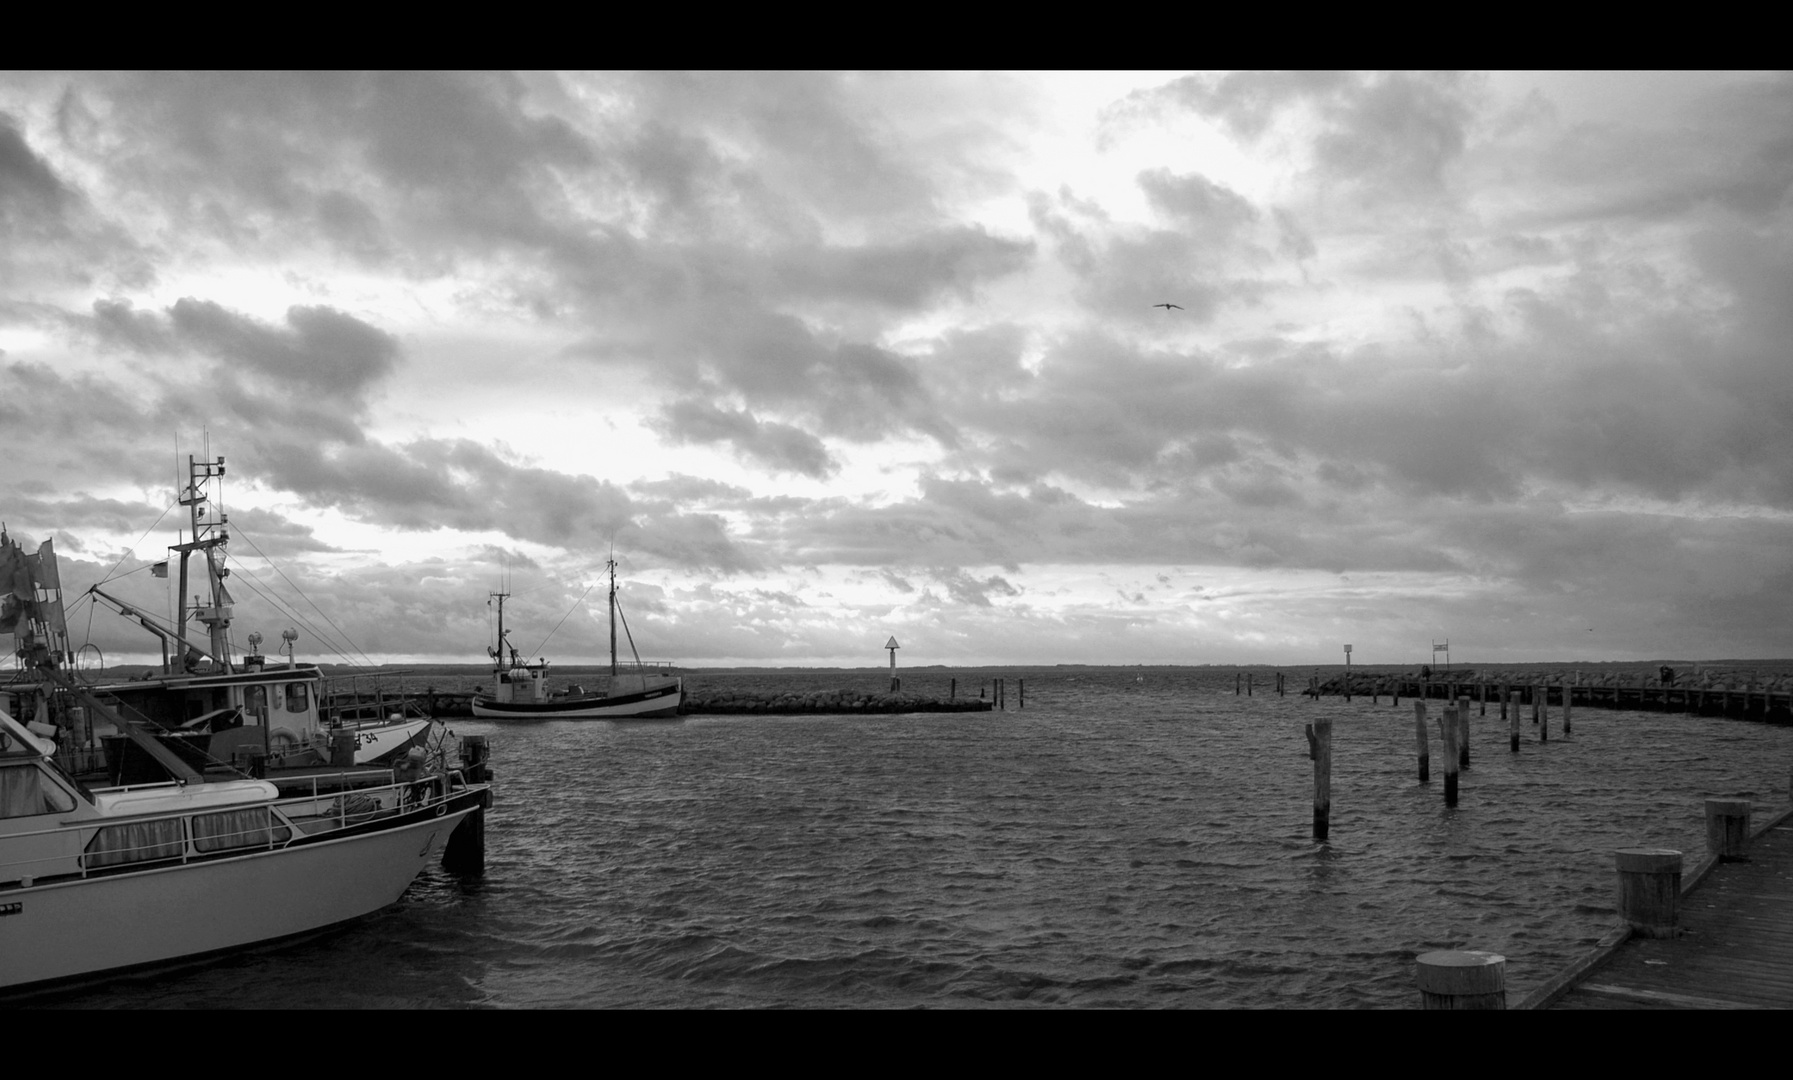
(1734, 949)
(1774, 706)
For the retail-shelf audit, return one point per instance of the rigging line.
(267, 593)
(632, 651)
(133, 548)
(307, 599)
(256, 586)
(538, 649)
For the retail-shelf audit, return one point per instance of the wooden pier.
(1773, 706)
(1731, 947)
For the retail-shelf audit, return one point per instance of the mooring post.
(1249, 678)
(1482, 692)
(1512, 716)
(1461, 979)
(1463, 731)
(1532, 691)
(1506, 698)
(1727, 829)
(952, 692)
(1543, 712)
(1419, 732)
(1236, 678)
(1020, 693)
(1649, 890)
(1568, 702)
(1448, 723)
(1319, 746)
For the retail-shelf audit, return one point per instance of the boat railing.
(109, 846)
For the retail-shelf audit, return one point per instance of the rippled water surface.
(1128, 839)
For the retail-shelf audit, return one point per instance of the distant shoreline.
(570, 668)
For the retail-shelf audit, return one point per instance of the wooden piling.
(1419, 731)
(1649, 890)
(1727, 829)
(1319, 734)
(1544, 712)
(1482, 692)
(1461, 979)
(1506, 698)
(1463, 732)
(1020, 693)
(1568, 703)
(1236, 678)
(1448, 725)
(1512, 715)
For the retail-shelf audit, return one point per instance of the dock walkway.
(1735, 951)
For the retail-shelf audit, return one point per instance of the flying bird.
(1167, 307)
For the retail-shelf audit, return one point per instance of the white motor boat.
(94, 882)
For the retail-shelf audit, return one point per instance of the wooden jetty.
(1740, 702)
(1728, 945)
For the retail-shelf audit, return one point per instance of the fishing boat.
(520, 690)
(188, 863)
(217, 710)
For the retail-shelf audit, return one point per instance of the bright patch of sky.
(831, 356)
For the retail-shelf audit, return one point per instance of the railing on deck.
(216, 832)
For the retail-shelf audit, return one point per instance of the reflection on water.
(1116, 843)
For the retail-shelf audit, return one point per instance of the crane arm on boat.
(180, 770)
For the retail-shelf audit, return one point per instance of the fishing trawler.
(218, 711)
(521, 688)
(200, 858)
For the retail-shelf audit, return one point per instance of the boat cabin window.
(137, 841)
(26, 792)
(296, 700)
(254, 827)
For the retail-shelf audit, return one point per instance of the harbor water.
(1132, 838)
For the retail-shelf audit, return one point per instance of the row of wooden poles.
(999, 691)
(1649, 891)
(1692, 698)
(1454, 731)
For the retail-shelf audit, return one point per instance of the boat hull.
(379, 744)
(63, 931)
(658, 701)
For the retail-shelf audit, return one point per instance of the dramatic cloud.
(823, 357)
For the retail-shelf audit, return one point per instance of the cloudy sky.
(1503, 359)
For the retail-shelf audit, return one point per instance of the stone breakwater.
(738, 702)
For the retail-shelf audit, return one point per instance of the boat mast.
(497, 654)
(210, 538)
(611, 562)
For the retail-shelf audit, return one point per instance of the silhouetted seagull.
(1167, 307)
